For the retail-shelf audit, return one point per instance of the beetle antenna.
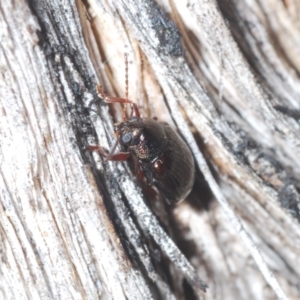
(126, 84)
(126, 75)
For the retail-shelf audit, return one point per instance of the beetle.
(161, 153)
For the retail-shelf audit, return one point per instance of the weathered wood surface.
(73, 226)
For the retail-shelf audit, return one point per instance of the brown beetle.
(162, 155)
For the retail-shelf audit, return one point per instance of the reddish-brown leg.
(147, 188)
(139, 173)
(134, 109)
(121, 156)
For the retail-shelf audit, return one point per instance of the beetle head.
(130, 132)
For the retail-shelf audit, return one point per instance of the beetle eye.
(126, 138)
(132, 119)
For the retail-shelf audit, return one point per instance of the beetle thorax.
(145, 138)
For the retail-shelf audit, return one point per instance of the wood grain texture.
(225, 74)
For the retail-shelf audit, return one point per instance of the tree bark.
(225, 74)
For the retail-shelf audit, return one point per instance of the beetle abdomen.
(174, 171)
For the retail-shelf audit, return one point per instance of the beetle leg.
(91, 148)
(147, 172)
(139, 173)
(121, 156)
(149, 176)
(134, 109)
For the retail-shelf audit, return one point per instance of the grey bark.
(225, 74)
